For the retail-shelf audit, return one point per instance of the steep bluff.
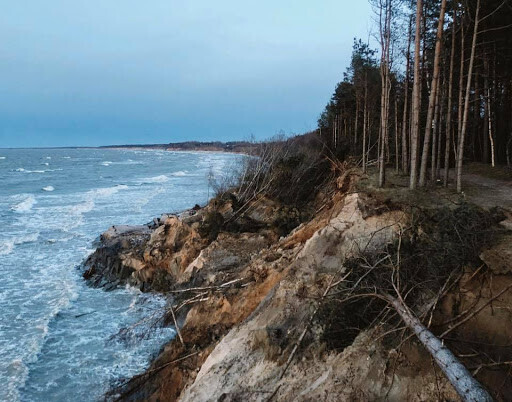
(246, 300)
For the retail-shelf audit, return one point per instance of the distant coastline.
(194, 146)
(214, 146)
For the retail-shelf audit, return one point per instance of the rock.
(347, 234)
(113, 262)
(122, 230)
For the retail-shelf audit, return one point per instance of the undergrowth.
(417, 266)
(290, 172)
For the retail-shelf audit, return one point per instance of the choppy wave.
(71, 214)
(23, 170)
(48, 188)
(108, 191)
(44, 359)
(180, 173)
(77, 211)
(146, 198)
(33, 346)
(7, 246)
(128, 162)
(18, 377)
(24, 205)
(157, 179)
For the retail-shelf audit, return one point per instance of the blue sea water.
(59, 339)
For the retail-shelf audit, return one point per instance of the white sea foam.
(3, 157)
(72, 216)
(66, 157)
(128, 162)
(108, 191)
(45, 163)
(23, 170)
(82, 208)
(157, 179)
(148, 196)
(28, 238)
(48, 188)
(63, 217)
(48, 157)
(18, 373)
(24, 205)
(7, 246)
(51, 339)
(106, 163)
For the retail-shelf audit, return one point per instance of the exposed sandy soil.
(255, 296)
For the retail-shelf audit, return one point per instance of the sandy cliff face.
(249, 363)
(178, 249)
(246, 301)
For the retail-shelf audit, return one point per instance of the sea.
(61, 340)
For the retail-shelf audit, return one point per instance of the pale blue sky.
(96, 72)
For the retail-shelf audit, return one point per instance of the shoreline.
(200, 146)
(191, 151)
(243, 296)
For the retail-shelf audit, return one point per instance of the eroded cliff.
(251, 302)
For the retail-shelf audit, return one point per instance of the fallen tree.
(407, 280)
(466, 386)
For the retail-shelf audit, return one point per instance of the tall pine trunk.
(449, 108)
(461, 85)
(435, 130)
(365, 121)
(433, 97)
(416, 98)
(460, 151)
(385, 38)
(397, 139)
(405, 126)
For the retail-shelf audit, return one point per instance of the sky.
(102, 72)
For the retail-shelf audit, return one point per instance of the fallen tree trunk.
(466, 386)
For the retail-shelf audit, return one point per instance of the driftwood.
(176, 325)
(199, 289)
(466, 386)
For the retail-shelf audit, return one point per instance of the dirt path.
(488, 192)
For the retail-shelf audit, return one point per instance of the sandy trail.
(488, 192)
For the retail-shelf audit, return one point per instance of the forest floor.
(482, 184)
